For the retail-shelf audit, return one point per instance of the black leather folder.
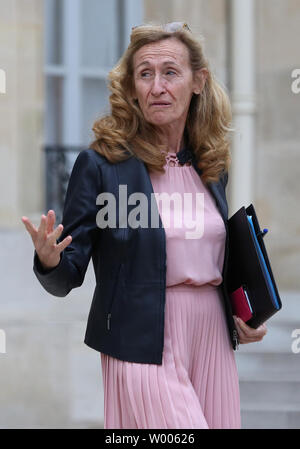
(249, 268)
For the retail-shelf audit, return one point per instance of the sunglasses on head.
(169, 27)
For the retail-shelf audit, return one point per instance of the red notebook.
(240, 304)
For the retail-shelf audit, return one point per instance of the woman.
(160, 315)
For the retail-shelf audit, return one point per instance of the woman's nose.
(158, 86)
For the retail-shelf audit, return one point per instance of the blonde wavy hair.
(125, 133)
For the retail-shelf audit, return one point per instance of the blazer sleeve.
(79, 221)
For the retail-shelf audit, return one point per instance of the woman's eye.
(145, 74)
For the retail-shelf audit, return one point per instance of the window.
(83, 40)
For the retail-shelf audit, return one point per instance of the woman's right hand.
(44, 239)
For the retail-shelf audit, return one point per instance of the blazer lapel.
(217, 191)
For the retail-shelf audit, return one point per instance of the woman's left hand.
(247, 334)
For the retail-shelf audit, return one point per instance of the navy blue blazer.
(126, 317)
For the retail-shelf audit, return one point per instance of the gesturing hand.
(44, 239)
(247, 334)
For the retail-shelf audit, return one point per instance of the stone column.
(243, 101)
(21, 110)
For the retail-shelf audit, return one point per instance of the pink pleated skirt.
(197, 385)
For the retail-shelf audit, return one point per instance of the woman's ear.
(199, 80)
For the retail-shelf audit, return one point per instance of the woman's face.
(164, 82)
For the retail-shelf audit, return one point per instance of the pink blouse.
(195, 231)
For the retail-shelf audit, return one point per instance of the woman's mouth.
(160, 104)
